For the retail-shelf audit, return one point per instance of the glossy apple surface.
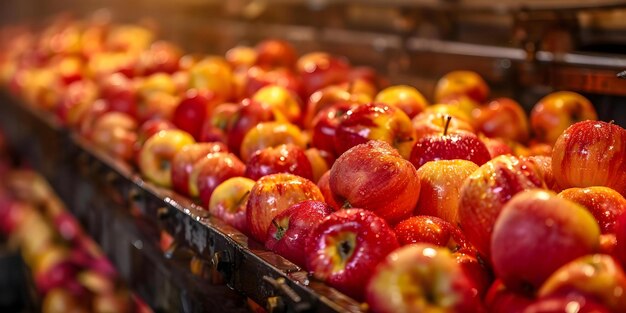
(504, 118)
(270, 134)
(248, 115)
(284, 103)
(157, 153)
(406, 98)
(432, 123)
(192, 110)
(273, 194)
(485, 192)
(290, 229)
(440, 188)
(346, 246)
(461, 83)
(281, 159)
(229, 199)
(374, 176)
(184, 160)
(115, 133)
(604, 203)
(536, 233)
(211, 170)
(591, 153)
(431, 230)
(420, 278)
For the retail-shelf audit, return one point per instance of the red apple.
(229, 199)
(375, 121)
(193, 109)
(431, 230)
(503, 118)
(281, 159)
(184, 160)
(157, 153)
(535, 234)
(270, 134)
(273, 194)
(485, 192)
(431, 123)
(591, 153)
(215, 127)
(476, 271)
(273, 53)
(210, 171)
(160, 57)
(461, 83)
(257, 78)
(320, 69)
(421, 278)
(346, 246)
(248, 115)
(291, 228)
(75, 101)
(440, 183)
(324, 185)
(500, 299)
(120, 93)
(496, 146)
(406, 98)
(375, 177)
(157, 104)
(445, 146)
(325, 126)
(604, 203)
(115, 134)
(597, 276)
(543, 167)
(328, 97)
(556, 112)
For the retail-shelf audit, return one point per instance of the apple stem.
(243, 198)
(346, 205)
(445, 127)
(280, 231)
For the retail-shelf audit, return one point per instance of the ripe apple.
(324, 185)
(496, 146)
(375, 177)
(449, 146)
(62, 300)
(115, 134)
(157, 104)
(485, 192)
(591, 153)
(594, 275)
(327, 97)
(375, 121)
(421, 278)
(555, 112)
(150, 128)
(536, 233)
(319, 69)
(157, 153)
(346, 246)
(249, 114)
(184, 160)
(215, 126)
(291, 228)
(256, 78)
(325, 126)
(241, 57)
(503, 118)
(605, 204)
(273, 194)
(75, 101)
(160, 57)
(452, 110)
(273, 53)
(270, 134)
(440, 188)
(213, 74)
(406, 98)
(284, 103)
(461, 83)
(500, 299)
(287, 158)
(120, 93)
(210, 171)
(543, 167)
(430, 123)
(431, 230)
(320, 162)
(228, 202)
(192, 110)
(476, 271)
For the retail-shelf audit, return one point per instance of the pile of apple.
(466, 205)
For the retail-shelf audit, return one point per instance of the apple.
(157, 153)
(286, 158)
(375, 177)
(229, 199)
(440, 188)
(591, 153)
(500, 299)
(567, 303)
(273, 53)
(346, 246)
(461, 83)
(320, 162)
(327, 97)
(273, 194)
(291, 228)
(325, 126)
(431, 230)
(431, 123)
(406, 98)
(503, 118)
(213, 74)
(157, 104)
(536, 233)
(375, 121)
(214, 128)
(476, 271)
(284, 103)
(555, 112)
(595, 275)
(160, 57)
(129, 38)
(452, 110)
(257, 77)
(184, 160)
(120, 93)
(270, 134)
(421, 278)
(445, 146)
(484, 193)
(324, 185)
(249, 114)
(210, 171)
(75, 101)
(192, 111)
(241, 57)
(319, 69)
(605, 204)
(115, 134)
(496, 146)
(150, 128)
